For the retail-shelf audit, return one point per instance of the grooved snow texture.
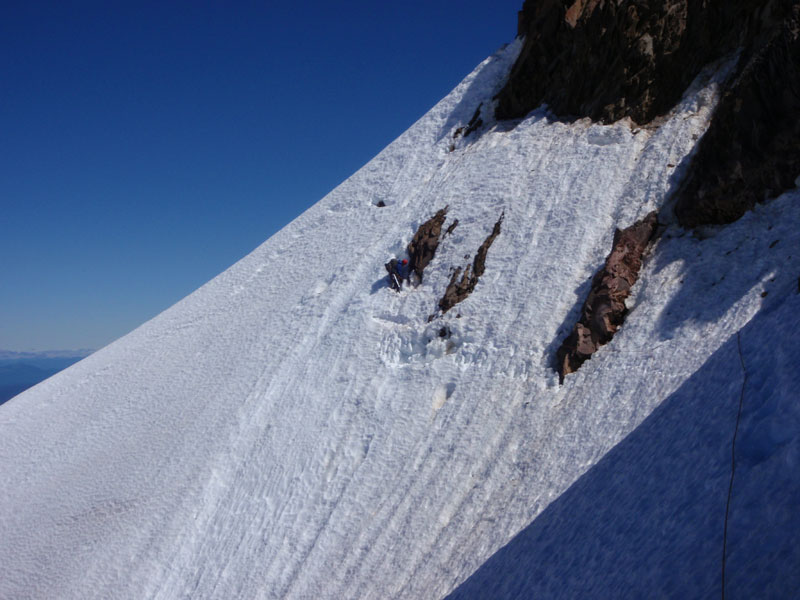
(288, 432)
(604, 309)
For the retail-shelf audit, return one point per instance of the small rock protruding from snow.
(459, 289)
(423, 245)
(604, 309)
(464, 131)
(451, 227)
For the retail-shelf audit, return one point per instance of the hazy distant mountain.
(6, 355)
(21, 370)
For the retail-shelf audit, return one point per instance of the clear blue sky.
(147, 146)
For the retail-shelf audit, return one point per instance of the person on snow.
(398, 271)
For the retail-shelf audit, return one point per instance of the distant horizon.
(149, 147)
(22, 370)
(6, 354)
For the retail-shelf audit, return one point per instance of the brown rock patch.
(460, 288)
(604, 310)
(423, 245)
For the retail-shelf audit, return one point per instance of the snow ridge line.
(733, 461)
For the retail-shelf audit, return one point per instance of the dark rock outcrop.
(423, 245)
(604, 310)
(608, 59)
(751, 151)
(459, 288)
(627, 58)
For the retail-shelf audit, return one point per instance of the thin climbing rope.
(733, 461)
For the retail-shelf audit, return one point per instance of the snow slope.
(295, 429)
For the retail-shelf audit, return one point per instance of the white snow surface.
(296, 429)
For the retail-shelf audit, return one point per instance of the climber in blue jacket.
(398, 271)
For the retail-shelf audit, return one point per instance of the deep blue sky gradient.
(147, 146)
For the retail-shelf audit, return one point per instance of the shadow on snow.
(647, 520)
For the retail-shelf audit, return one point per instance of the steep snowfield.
(296, 429)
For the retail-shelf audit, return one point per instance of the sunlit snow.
(296, 429)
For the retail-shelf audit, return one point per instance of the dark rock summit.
(625, 58)
(604, 309)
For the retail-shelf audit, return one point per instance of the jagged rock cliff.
(751, 151)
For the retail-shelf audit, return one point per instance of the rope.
(733, 462)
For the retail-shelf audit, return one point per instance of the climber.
(398, 271)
